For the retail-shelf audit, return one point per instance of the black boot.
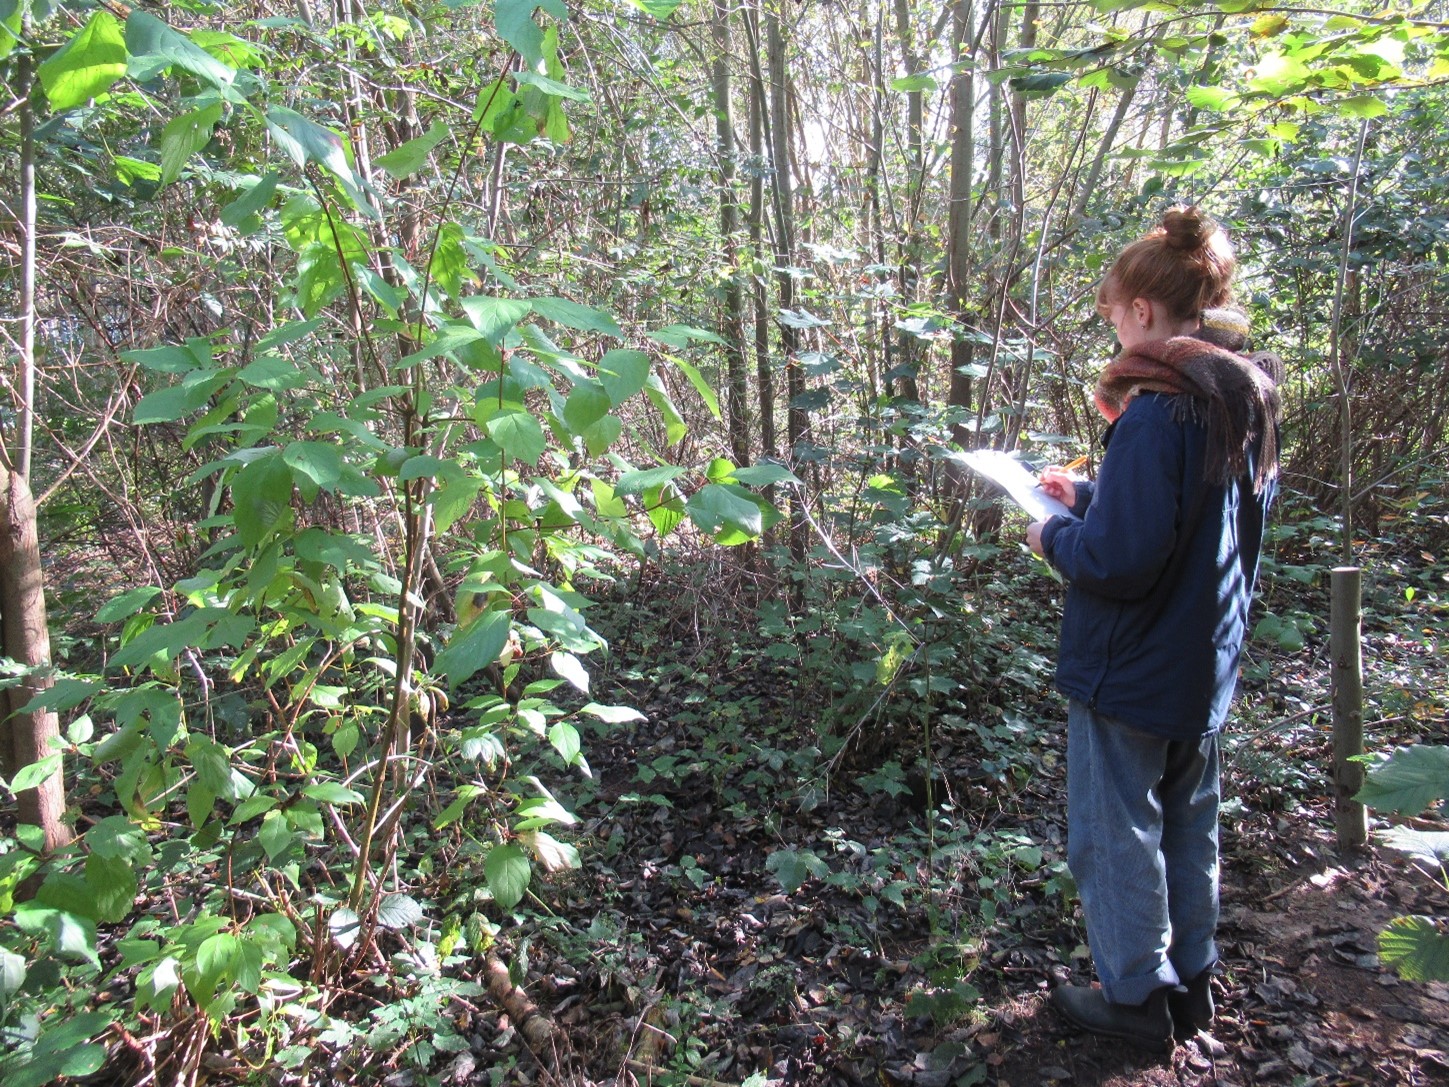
(1147, 1025)
(1191, 1006)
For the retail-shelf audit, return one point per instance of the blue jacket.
(1160, 573)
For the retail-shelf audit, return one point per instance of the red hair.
(1185, 263)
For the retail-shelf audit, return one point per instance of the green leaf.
(1429, 847)
(12, 16)
(573, 315)
(552, 87)
(321, 462)
(398, 911)
(643, 479)
(1408, 780)
(565, 740)
(681, 336)
(725, 511)
(613, 715)
(408, 159)
(345, 926)
(85, 66)
(36, 773)
(495, 317)
(474, 647)
(1417, 947)
(12, 974)
(585, 406)
(184, 136)
(1365, 105)
(658, 9)
(914, 84)
(1040, 84)
(304, 141)
(1213, 98)
(262, 495)
(570, 668)
(241, 210)
(112, 885)
(507, 871)
(518, 434)
(793, 867)
(623, 373)
(701, 386)
(154, 47)
(332, 792)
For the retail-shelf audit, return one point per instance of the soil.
(730, 977)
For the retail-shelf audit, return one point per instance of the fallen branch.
(532, 1023)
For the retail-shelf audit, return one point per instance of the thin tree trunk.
(797, 422)
(764, 369)
(25, 738)
(959, 215)
(733, 332)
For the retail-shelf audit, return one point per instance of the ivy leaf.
(793, 867)
(85, 66)
(507, 871)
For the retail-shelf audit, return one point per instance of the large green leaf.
(1417, 947)
(86, 66)
(12, 14)
(474, 647)
(728, 512)
(154, 47)
(1407, 780)
(410, 157)
(262, 495)
(585, 406)
(305, 141)
(507, 870)
(623, 373)
(579, 317)
(518, 434)
(514, 20)
(184, 136)
(495, 317)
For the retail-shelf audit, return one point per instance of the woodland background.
(487, 594)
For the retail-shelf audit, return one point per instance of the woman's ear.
(1142, 312)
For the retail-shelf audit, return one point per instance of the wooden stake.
(1346, 652)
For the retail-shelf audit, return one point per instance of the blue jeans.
(1142, 844)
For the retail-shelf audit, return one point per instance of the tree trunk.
(733, 332)
(764, 368)
(959, 215)
(797, 422)
(25, 738)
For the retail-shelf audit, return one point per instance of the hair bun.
(1187, 229)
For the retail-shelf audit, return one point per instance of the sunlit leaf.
(86, 65)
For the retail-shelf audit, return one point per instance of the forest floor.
(740, 926)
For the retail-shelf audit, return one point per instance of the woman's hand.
(1060, 483)
(1033, 535)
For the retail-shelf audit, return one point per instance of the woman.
(1160, 563)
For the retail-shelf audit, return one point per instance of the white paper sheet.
(1009, 474)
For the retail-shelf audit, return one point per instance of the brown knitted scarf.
(1233, 396)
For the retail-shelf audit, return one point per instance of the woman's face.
(1130, 319)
